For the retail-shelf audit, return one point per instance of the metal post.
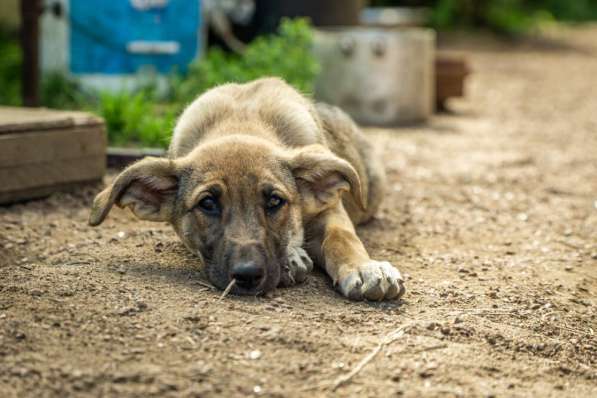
(30, 10)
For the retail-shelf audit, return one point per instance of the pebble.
(338, 365)
(255, 354)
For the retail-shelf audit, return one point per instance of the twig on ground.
(190, 340)
(433, 347)
(388, 339)
(484, 311)
(205, 284)
(569, 244)
(227, 290)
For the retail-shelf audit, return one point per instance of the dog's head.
(237, 202)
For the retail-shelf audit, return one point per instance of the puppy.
(258, 182)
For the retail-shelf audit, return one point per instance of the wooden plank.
(51, 173)
(38, 147)
(40, 192)
(14, 119)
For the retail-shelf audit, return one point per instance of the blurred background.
(137, 63)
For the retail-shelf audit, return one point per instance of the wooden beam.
(30, 10)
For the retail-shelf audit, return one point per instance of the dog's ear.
(323, 177)
(147, 187)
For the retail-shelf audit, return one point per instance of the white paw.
(374, 280)
(299, 266)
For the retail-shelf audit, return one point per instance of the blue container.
(119, 37)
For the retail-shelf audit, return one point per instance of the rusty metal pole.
(30, 10)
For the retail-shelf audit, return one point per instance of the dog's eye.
(209, 205)
(273, 203)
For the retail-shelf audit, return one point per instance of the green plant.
(10, 69)
(511, 17)
(131, 119)
(59, 91)
(287, 55)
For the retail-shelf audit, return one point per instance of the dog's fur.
(286, 177)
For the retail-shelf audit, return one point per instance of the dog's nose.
(247, 274)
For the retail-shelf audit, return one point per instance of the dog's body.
(256, 175)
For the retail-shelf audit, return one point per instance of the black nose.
(247, 274)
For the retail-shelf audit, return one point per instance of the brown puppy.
(257, 177)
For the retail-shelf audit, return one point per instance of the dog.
(259, 183)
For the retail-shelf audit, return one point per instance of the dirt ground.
(491, 214)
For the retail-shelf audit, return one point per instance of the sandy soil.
(491, 214)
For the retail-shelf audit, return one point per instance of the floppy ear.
(147, 187)
(323, 177)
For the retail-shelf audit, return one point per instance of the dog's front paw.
(299, 266)
(374, 280)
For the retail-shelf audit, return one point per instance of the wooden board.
(450, 73)
(43, 151)
(13, 119)
(38, 147)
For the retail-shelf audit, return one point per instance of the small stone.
(431, 325)
(257, 389)
(568, 268)
(121, 235)
(338, 365)
(255, 354)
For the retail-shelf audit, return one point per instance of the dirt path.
(491, 213)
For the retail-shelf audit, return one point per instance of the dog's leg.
(298, 267)
(346, 261)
